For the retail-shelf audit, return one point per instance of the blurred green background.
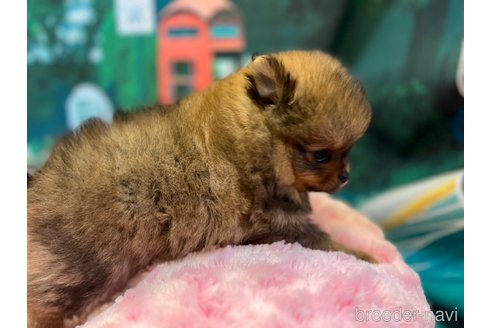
(405, 52)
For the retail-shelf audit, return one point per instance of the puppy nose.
(343, 177)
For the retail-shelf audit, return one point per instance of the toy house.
(198, 41)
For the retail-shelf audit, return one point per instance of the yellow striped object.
(420, 205)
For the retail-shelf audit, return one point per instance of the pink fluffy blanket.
(280, 285)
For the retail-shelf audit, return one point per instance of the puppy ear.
(269, 82)
(254, 56)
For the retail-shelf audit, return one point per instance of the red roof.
(206, 9)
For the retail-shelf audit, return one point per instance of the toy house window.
(225, 31)
(181, 91)
(182, 32)
(182, 80)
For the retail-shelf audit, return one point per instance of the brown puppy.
(230, 165)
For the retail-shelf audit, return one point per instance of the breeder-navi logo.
(405, 315)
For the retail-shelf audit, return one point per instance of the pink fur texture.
(280, 285)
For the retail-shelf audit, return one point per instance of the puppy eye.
(322, 156)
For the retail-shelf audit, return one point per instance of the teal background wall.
(405, 52)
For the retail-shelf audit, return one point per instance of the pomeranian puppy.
(228, 166)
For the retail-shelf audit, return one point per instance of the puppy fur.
(230, 165)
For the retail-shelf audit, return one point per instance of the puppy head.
(315, 110)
